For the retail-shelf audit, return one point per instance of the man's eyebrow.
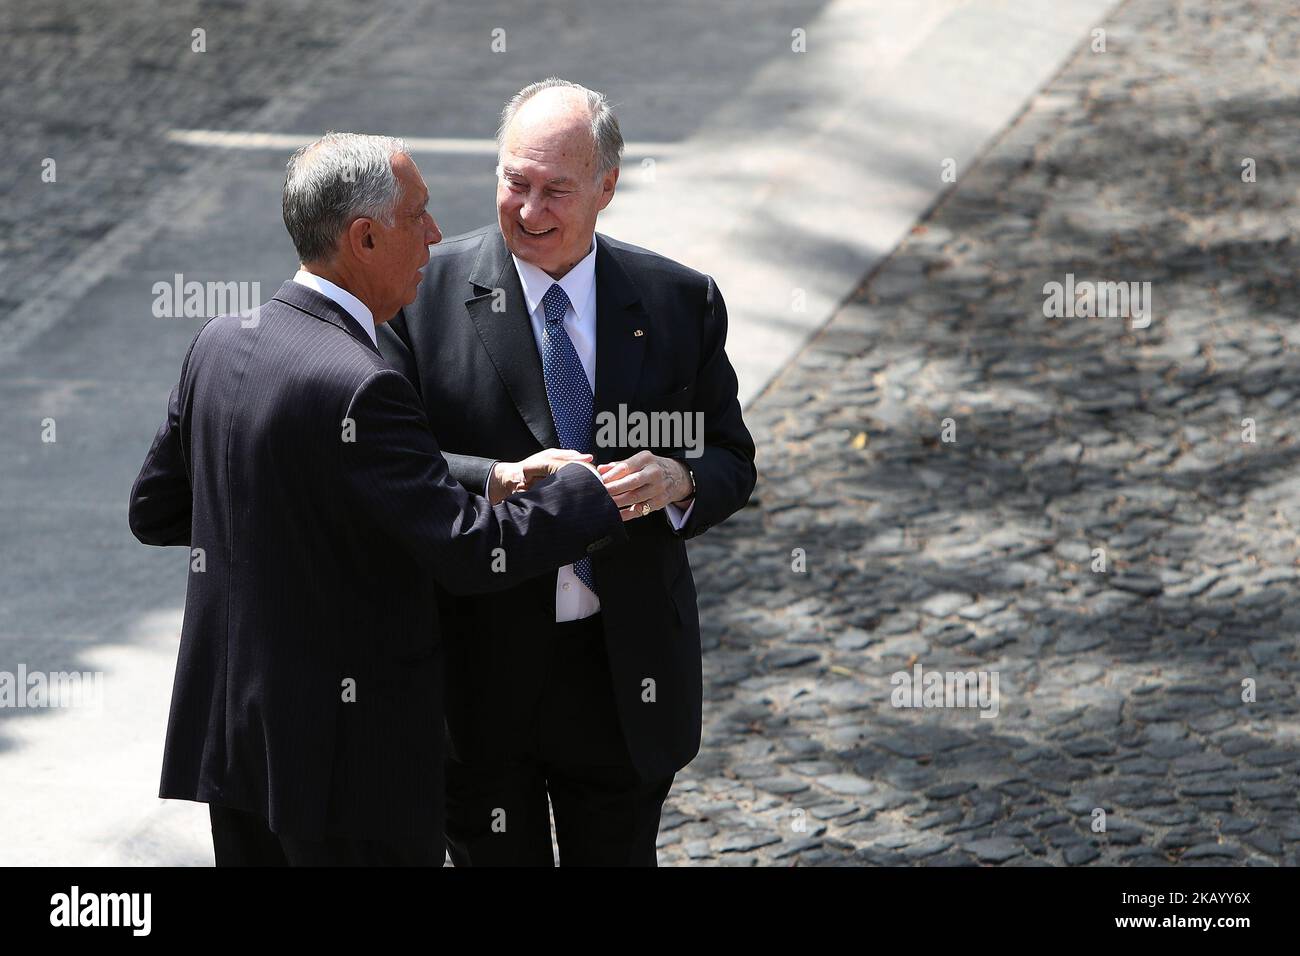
(512, 171)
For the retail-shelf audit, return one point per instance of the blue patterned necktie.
(568, 392)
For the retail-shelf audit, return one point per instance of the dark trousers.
(574, 752)
(240, 838)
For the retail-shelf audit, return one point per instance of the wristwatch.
(690, 471)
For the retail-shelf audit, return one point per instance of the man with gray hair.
(523, 336)
(300, 471)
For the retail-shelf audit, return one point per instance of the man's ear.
(361, 238)
(607, 184)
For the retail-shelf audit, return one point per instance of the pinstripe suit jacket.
(308, 683)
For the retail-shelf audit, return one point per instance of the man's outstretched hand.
(510, 477)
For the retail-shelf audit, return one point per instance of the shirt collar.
(576, 283)
(350, 303)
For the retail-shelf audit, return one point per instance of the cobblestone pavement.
(1120, 690)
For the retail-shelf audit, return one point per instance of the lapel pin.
(638, 333)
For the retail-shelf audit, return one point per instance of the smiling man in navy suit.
(536, 333)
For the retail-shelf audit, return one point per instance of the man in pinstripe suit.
(307, 705)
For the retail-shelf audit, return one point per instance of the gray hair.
(604, 124)
(334, 181)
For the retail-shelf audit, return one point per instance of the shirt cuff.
(676, 516)
(487, 482)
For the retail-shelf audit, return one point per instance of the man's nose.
(529, 208)
(433, 235)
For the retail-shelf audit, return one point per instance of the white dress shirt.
(351, 304)
(573, 599)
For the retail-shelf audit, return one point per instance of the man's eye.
(556, 194)
(515, 184)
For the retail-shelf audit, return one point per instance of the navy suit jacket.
(661, 328)
(300, 469)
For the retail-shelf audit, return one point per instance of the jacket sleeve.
(395, 344)
(395, 477)
(724, 472)
(161, 499)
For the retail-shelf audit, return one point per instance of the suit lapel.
(508, 335)
(621, 327)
